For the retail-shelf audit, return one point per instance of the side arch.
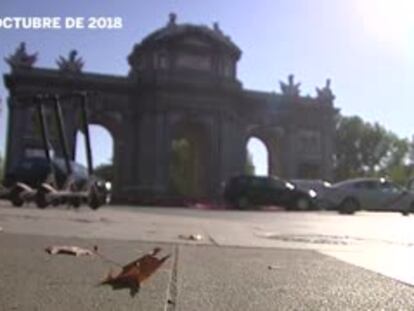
(112, 122)
(272, 139)
(257, 157)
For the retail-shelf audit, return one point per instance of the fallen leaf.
(134, 273)
(68, 250)
(192, 237)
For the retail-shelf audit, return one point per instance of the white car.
(377, 194)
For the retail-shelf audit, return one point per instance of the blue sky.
(365, 46)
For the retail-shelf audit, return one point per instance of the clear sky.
(365, 46)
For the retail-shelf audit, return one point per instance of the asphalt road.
(318, 260)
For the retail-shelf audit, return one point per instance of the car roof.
(309, 181)
(358, 180)
(256, 177)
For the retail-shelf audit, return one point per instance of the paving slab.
(217, 278)
(31, 279)
(215, 273)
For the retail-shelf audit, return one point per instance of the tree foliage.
(1, 168)
(366, 149)
(183, 179)
(249, 167)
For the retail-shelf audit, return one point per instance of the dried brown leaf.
(135, 272)
(68, 250)
(191, 237)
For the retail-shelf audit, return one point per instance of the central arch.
(189, 160)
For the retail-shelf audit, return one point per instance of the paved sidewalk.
(199, 277)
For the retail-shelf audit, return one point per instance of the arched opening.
(257, 157)
(102, 146)
(189, 162)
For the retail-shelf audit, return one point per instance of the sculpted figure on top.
(291, 88)
(20, 58)
(325, 94)
(72, 64)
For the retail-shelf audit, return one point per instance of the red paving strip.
(272, 208)
(212, 206)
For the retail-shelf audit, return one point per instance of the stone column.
(213, 161)
(327, 146)
(70, 117)
(232, 148)
(15, 132)
(288, 154)
(152, 153)
(275, 145)
(121, 166)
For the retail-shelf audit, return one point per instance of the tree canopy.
(1, 168)
(368, 149)
(249, 167)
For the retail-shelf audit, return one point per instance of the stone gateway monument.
(180, 111)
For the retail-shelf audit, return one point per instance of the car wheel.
(409, 211)
(94, 203)
(76, 202)
(15, 197)
(95, 200)
(41, 200)
(302, 204)
(348, 206)
(243, 203)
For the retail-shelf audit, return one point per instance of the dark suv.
(243, 192)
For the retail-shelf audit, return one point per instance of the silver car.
(377, 194)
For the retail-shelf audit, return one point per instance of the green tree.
(358, 147)
(365, 149)
(1, 168)
(396, 164)
(182, 168)
(411, 150)
(249, 167)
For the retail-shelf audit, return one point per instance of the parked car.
(244, 191)
(371, 194)
(410, 185)
(321, 187)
